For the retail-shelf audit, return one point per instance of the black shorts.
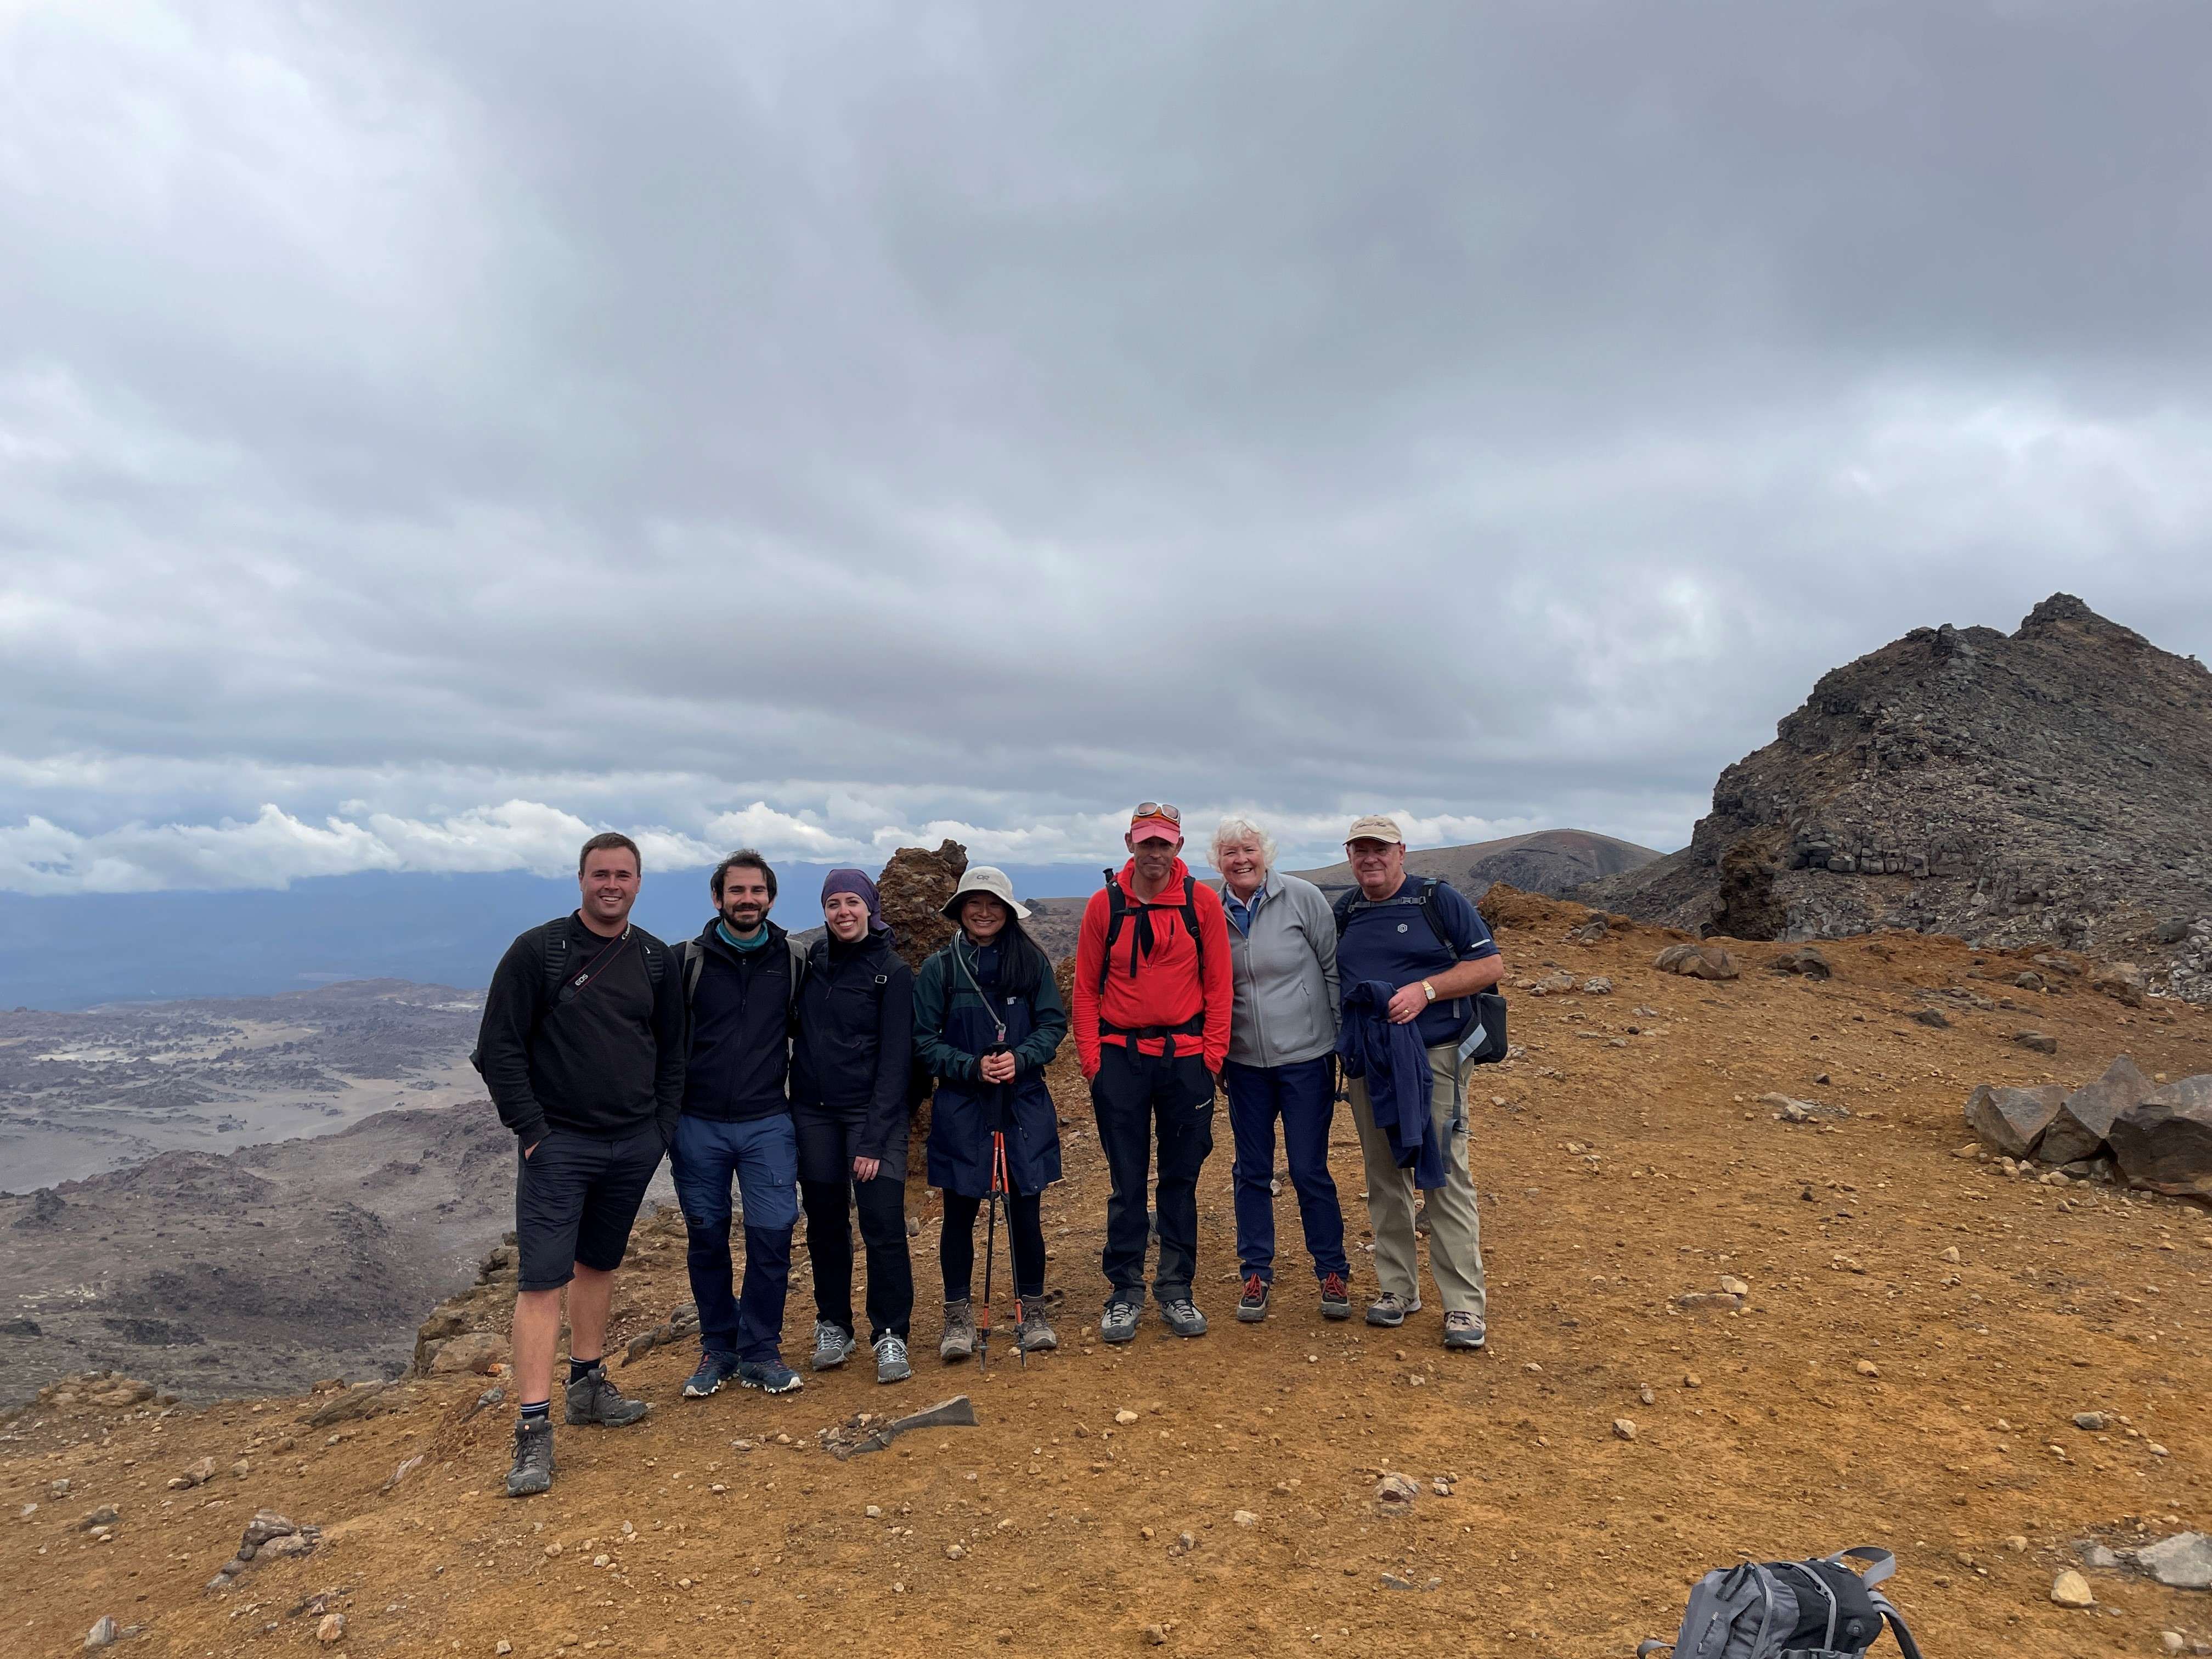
(576, 1197)
(829, 1141)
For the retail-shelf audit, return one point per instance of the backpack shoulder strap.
(1341, 909)
(556, 959)
(1190, 920)
(689, 960)
(656, 960)
(1897, 1627)
(1431, 914)
(799, 961)
(1117, 909)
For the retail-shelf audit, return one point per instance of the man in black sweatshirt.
(582, 1049)
(741, 977)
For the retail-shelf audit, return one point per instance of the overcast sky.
(429, 430)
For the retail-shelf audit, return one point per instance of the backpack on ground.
(1818, 1609)
(1482, 1039)
(1120, 908)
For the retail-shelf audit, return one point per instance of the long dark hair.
(1023, 964)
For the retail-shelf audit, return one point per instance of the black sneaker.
(594, 1401)
(714, 1369)
(1118, 1322)
(533, 1459)
(1252, 1306)
(1182, 1317)
(1336, 1298)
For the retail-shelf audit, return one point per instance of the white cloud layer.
(428, 432)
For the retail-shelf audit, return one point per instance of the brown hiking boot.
(959, 1341)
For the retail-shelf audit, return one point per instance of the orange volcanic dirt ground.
(1624, 1161)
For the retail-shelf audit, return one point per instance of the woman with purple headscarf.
(850, 1057)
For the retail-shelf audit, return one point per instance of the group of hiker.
(787, 1073)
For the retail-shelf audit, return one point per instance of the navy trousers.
(760, 1155)
(1304, 1098)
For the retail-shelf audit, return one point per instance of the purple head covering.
(857, 883)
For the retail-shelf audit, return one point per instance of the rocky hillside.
(1543, 861)
(1720, 1326)
(257, 1271)
(2045, 785)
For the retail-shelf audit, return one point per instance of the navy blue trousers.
(1304, 1098)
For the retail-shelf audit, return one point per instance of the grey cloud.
(1504, 414)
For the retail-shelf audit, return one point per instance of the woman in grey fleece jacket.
(1282, 1042)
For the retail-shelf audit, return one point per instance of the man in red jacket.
(1152, 995)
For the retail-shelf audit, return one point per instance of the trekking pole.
(1006, 1186)
(990, 1252)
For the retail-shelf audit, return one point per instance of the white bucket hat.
(982, 879)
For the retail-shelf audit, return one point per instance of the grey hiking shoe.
(1464, 1330)
(1182, 1317)
(594, 1401)
(1389, 1309)
(1118, 1322)
(1032, 1335)
(833, 1346)
(533, 1459)
(959, 1341)
(892, 1363)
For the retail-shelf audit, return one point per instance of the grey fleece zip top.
(1283, 974)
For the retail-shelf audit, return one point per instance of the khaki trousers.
(1454, 1226)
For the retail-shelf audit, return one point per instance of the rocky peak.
(2041, 785)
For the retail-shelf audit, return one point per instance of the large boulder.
(2122, 980)
(2081, 1128)
(912, 889)
(1696, 962)
(2164, 1144)
(2013, 1121)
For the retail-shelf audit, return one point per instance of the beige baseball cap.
(1374, 826)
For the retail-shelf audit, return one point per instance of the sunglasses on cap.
(1158, 809)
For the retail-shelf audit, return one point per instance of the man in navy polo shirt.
(1405, 962)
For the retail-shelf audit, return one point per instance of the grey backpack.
(1821, 1609)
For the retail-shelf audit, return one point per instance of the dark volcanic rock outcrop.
(2046, 784)
(912, 889)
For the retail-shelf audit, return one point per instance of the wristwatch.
(1430, 989)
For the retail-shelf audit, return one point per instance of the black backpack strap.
(801, 964)
(1434, 917)
(1190, 920)
(689, 960)
(656, 963)
(1897, 1627)
(556, 960)
(1117, 911)
(1341, 909)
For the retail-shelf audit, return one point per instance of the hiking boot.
(1464, 1330)
(1252, 1306)
(1336, 1298)
(1118, 1322)
(714, 1369)
(1032, 1334)
(533, 1459)
(959, 1341)
(1389, 1309)
(1182, 1317)
(891, 1364)
(833, 1346)
(768, 1375)
(594, 1401)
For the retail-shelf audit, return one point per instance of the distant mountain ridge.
(2045, 785)
(1542, 861)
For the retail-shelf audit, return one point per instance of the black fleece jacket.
(604, 1060)
(852, 1051)
(740, 1048)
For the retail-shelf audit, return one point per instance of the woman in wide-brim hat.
(988, 1018)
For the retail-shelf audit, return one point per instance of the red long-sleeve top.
(1169, 987)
